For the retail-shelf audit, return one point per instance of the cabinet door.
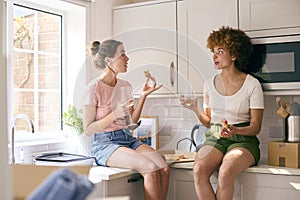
(269, 186)
(203, 17)
(265, 15)
(148, 31)
(182, 185)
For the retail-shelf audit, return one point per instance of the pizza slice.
(147, 73)
(224, 123)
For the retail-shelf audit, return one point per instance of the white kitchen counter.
(260, 168)
(99, 173)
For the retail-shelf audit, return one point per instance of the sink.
(62, 159)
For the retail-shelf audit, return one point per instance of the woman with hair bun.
(104, 119)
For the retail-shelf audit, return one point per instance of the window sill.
(23, 138)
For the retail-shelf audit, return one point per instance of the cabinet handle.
(172, 74)
(135, 179)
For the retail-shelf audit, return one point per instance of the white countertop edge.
(275, 170)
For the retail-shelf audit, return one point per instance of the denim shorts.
(106, 143)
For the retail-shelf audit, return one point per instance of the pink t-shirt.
(105, 98)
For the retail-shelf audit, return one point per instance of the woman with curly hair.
(233, 107)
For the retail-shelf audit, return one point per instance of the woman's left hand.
(148, 89)
(227, 132)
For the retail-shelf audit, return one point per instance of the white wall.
(176, 122)
(5, 173)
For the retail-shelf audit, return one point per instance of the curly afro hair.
(237, 43)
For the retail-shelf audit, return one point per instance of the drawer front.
(131, 186)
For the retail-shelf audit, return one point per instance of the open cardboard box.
(26, 178)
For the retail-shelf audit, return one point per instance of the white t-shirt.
(236, 108)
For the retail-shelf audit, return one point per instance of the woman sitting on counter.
(105, 118)
(233, 107)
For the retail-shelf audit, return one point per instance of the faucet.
(16, 118)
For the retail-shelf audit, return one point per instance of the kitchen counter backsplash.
(176, 122)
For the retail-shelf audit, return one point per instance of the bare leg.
(164, 171)
(234, 162)
(207, 160)
(149, 164)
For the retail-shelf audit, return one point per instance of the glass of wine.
(188, 100)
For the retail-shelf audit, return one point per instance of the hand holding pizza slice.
(224, 123)
(225, 132)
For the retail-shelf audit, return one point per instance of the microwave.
(275, 62)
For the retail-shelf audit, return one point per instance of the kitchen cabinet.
(255, 183)
(267, 186)
(130, 186)
(182, 185)
(149, 33)
(169, 38)
(203, 17)
(116, 182)
(269, 17)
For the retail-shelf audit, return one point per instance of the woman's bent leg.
(164, 170)
(234, 162)
(142, 163)
(207, 160)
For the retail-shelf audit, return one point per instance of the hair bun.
(95, 47)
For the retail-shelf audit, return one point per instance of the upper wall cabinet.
(262, 18)
(149, 33)
(169, 38)
(203, 17)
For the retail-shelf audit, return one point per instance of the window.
(37, 67)
(48, 61)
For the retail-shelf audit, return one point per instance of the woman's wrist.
(143, 97)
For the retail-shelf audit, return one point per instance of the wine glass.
(188, 99)
(126, 98)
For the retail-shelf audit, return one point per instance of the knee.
(149, 167)
(165, 172)
(226, 176)
(200, 171)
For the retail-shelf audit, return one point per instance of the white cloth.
(235, 108)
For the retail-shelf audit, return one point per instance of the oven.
(275, 62)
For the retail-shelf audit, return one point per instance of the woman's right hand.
(189, 103)
(121, 110)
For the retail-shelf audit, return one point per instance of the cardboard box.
(284, 154)
(25, 178)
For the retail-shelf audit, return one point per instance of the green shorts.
(251, 143)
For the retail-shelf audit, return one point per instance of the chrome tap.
(19, 116)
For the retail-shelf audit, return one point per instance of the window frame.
(67, 80)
